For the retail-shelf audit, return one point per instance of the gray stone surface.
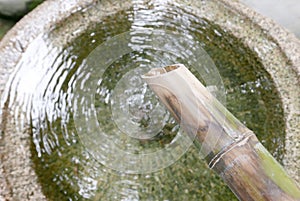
(13, 7)
(16, 8)
(281, 58)
(19, 181)
(286, 13)
(278, 50)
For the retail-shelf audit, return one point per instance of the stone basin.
(277, 49)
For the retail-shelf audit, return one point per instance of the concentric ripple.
(92, 120)
(129, 102)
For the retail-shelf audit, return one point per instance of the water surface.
(43, 92)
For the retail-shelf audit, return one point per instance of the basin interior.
(43, 92)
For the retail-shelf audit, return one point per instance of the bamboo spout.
(231, 149)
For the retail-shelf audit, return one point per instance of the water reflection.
(41, 94)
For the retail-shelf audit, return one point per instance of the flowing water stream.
(43, 93)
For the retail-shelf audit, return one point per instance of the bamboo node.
(241, 141)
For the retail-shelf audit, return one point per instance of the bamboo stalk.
(231, 149)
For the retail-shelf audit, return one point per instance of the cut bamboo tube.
(231, 149)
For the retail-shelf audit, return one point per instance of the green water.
(5, 25)
(67, 171)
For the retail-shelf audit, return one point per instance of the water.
(43, 93)
(5, 25)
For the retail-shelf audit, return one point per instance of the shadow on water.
(43, 90)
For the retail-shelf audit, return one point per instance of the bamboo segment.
(230, 148)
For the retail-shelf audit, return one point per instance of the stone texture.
(285, 12)
(279, 52)
(16, 8)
